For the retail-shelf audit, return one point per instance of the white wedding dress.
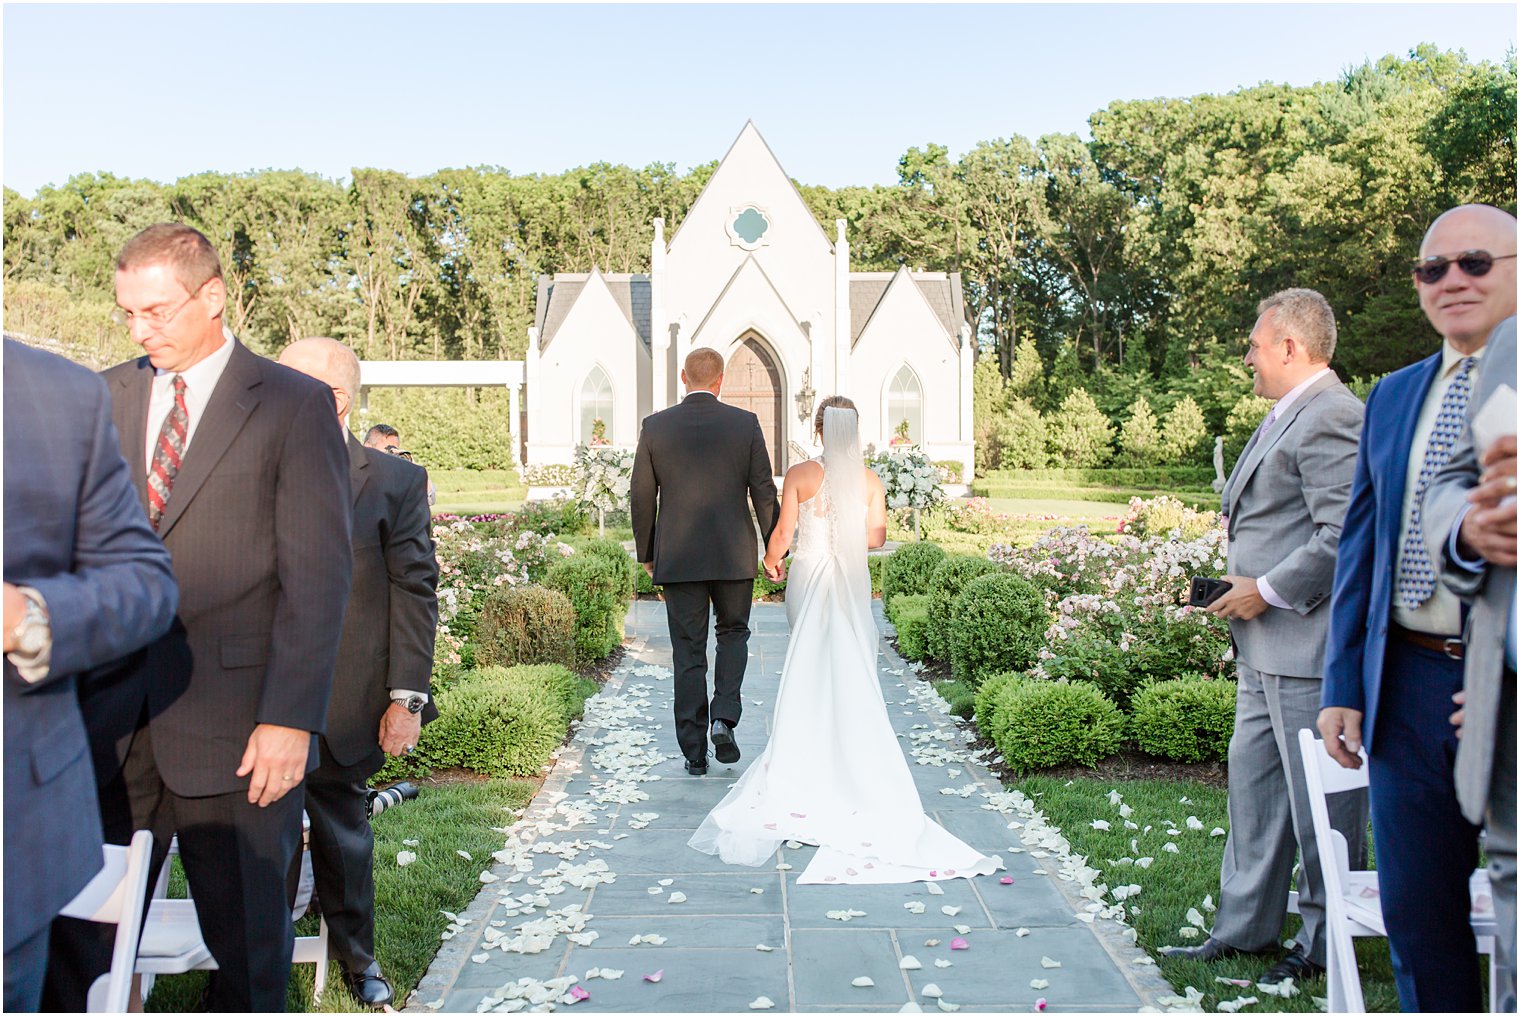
(833, 774)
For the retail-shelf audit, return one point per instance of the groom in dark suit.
(696, 466)
(210, 732)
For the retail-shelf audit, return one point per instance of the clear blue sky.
(840, 91)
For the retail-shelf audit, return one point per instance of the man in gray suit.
(1285, 502)
(1469, 517)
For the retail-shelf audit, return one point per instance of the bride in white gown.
(833, 774)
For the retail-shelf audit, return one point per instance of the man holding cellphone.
(1284, 502)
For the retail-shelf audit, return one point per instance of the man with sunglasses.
(1394, 656)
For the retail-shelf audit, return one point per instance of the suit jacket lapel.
(358, 466)
(1264, 441)
(133, 390)
(232, 401)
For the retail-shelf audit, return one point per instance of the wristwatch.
(34, 632)
(413, 703)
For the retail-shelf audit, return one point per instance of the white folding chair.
(1353, 907)
(115, 896)
(172, 942)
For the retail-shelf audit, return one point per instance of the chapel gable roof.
(558, 293)
(940, 290)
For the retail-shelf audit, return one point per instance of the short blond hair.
(703, 366)
(1306, 316)
(183, 248)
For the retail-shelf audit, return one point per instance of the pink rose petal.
(1005, 880)
(869, 866)
(831, 878)
(798, 815)
(1039, 1005)
(949, 872)
(959, 943)
(770, 825)
(851, 871)
(579, 993)
(656, 977)
(934, 874)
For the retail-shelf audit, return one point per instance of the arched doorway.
(752, 381)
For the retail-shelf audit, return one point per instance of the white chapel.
(752, 274)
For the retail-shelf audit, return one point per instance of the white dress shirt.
(200, 382)
(1442, 613)
(1263, 587)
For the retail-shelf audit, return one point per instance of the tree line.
(1129, 265)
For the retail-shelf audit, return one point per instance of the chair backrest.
(117, 895)
(1323, 776)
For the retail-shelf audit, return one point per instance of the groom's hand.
(649, 567)
(775, 572)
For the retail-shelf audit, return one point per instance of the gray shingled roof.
(557, 294)
(941, 290)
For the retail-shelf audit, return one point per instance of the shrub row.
(496, 721)
(1036, 724)
(990, 624)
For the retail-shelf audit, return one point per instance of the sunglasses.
(1474, 264)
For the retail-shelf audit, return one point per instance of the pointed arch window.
(596, 404)
(905, 408)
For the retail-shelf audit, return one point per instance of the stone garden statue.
(1218, 483)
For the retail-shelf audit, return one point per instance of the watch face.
(414, 704)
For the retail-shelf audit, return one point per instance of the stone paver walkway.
(595, 864)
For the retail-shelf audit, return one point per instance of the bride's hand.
(775, 571)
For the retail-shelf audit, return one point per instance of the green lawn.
(1174, 883)
(477, 491)
(444, 818)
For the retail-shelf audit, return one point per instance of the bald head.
(330, 362)
(1463, 307)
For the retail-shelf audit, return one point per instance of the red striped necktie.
(168, 455)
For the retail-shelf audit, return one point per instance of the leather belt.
(1450, 646)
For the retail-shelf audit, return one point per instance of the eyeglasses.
(155, 318)
(1474, 264)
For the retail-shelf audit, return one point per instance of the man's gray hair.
(1306, 316)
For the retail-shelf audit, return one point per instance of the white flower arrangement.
(605, 476)
(910, 480)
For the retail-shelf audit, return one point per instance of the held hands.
(1240, 602)
(399, 729)
(276, 756)
(774, 570)
(1338, 722)
(1489, 528)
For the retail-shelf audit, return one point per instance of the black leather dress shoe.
(1295, 965)
(1211, 949)
(369, 987)
(723, 742)
(696, 768)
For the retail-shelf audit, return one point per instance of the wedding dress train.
(833, 774)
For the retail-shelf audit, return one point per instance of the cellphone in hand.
(1204, 591)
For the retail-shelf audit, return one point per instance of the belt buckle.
(1452, 648)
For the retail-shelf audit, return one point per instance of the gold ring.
(287, 779)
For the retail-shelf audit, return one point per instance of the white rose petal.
(863, 982)
(909, 963)
(762, 1003)
(1038, 983)
(404, 858)
(1048, 963)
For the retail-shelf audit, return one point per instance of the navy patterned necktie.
(168, 454)
(1417, 576)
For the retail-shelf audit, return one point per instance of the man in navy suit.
(86, 582)
(1394, 656)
